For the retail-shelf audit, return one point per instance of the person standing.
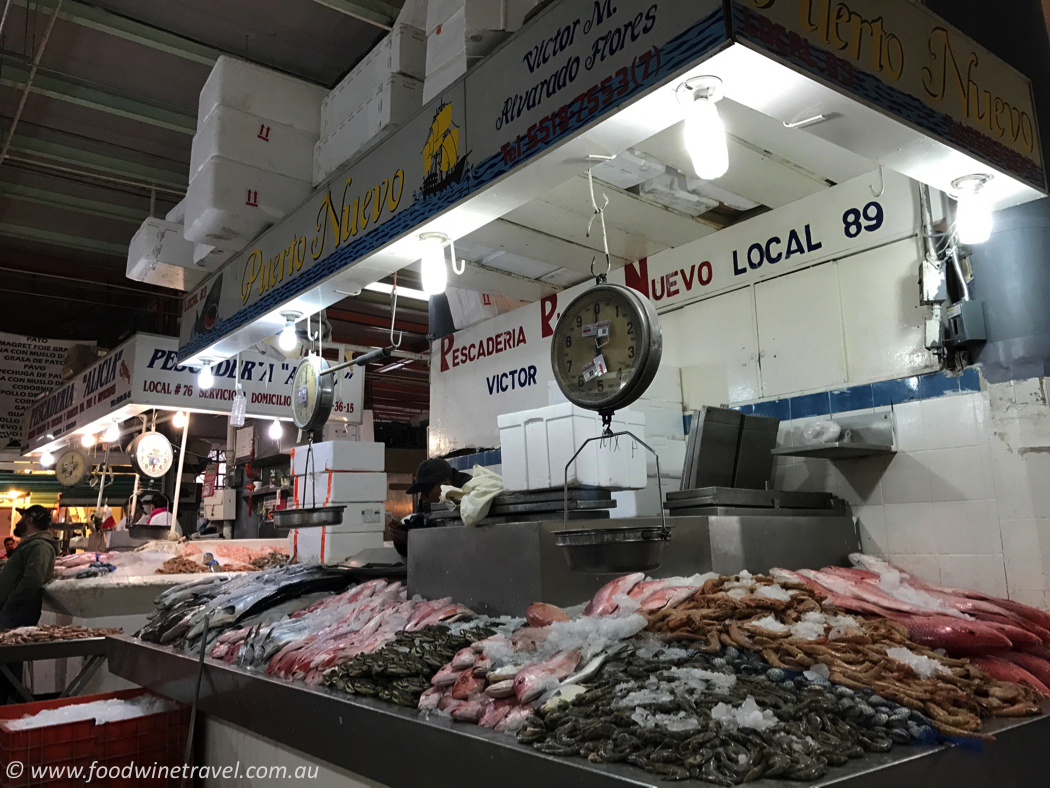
(9, 547)
(29, 566)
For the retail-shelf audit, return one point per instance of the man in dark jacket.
(22, 579)
(30, 566)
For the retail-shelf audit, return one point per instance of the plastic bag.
(475, 497)
(820, 432)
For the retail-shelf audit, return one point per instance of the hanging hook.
(882, 184)
(393, 312)
(600, 213)
(458, 271)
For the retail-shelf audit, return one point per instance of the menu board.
(29, 366)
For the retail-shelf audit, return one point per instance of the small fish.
(465, 658)
(667, 597)
(533, 681)
(501, 689)
(540, 614)
(482, 666)
(496, 712)
(467, 685)
(445, 677)
(602, 603)
(429, 700)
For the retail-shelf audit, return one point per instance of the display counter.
(370, 738)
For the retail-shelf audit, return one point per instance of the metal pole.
(29, 80)
(178, 481)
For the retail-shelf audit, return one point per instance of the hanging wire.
(457, 270)
(393, 308)
(600, 213)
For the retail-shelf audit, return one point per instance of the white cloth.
(475, 497)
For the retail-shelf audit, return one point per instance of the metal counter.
(399, 747)
(502, 569)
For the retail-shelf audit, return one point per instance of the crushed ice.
(671, 722)
(924, 667)
(101, 711)
(770, 624)
(747, 715)
(773, 592)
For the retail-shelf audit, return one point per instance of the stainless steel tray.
(309, 518)
(613, 550)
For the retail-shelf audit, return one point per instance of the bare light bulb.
(973, 215)
(179, 420)
(705, 140)
(205, 379)
(287, 340)
(112, 433)
(276, 431)
(87, 440)
(47, 459)
(432, 265)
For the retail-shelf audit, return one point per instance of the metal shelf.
(836, 451)
(266, 491)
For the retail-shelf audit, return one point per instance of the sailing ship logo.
(442, 164)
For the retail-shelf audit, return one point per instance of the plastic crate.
(154, 739)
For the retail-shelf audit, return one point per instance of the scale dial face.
(152, 455)
(71, 468)
(312, 394)
(606, 348)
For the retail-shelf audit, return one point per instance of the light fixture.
(432, 264)
(276, 430)
(286, 340)
(47, 459)
(178, 421)
(402, 291)
(112, 433)
(205, 379)
(973, 215)
(87, 440)
(14, 495)
(704, 136)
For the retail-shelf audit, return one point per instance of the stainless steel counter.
(398, 747)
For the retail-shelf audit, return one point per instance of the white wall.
(966, 499)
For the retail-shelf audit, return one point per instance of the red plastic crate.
(144, 741)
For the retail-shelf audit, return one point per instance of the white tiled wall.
(965, 501)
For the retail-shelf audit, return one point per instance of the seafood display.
(401, 670)
(791, 627)
(48, 634)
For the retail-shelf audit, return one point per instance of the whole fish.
(529, 638)
(540, 614)
(953, 635)
(468, 711)
(428, 701)
(1019, 635)
(495, 712)
(467, 685)
(1008, 671)
(464, 658)
(1039, 668)
(667, 597)
(851, 573)
(515, 719)
(533, 681)
(647, 587)
(866, 592)
(482, 665)
(445, 677)
(501, 689)
(602, 603)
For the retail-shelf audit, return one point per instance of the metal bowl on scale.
(602, 551)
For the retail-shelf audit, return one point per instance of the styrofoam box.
(332, 488)
(175, 277)
(404, 51)
(208, 257)
(642, 503)
(178, 213)
(662, 419)
(218, 212)
(672, 456)
(457, 37)
(159, 255)
(340, 456)
(250, 88)
(395, 101)
(479, 14)
(330, 547)
(441, 79)
(244, 137)
(537, 444)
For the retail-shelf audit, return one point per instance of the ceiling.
(103, 140)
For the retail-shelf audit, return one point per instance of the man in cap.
(431, 476)
(28, 568)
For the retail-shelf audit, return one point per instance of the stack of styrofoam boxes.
(381, 93)
(461, 32)
(339, 473)
(159, 255)
(252, 155)
(537, 444)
